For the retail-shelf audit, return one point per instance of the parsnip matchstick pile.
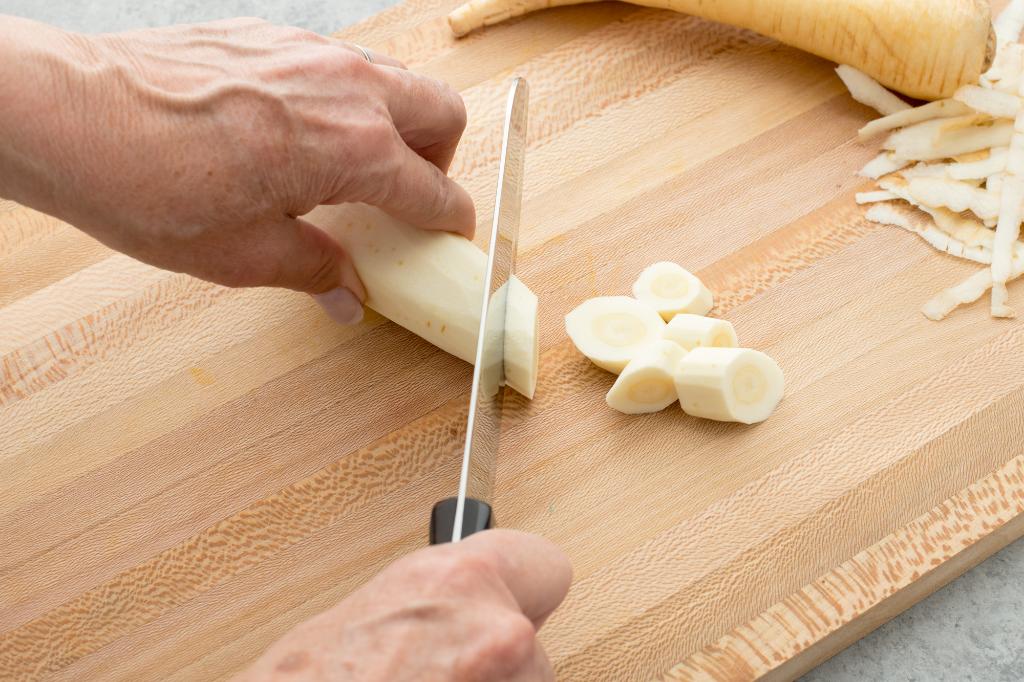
(952, 170)
(664, 349)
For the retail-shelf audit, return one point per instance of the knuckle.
(513, 639)
(456, 105)
(508, 645)
(452, 572)
(301, 35)
(348, 64)
(378, 135)
(460, 569)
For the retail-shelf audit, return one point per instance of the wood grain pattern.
(187, 471)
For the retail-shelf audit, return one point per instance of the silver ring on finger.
(366, 53)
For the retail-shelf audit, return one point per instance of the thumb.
(536, 572)
(309, 260)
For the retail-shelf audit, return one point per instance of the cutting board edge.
(987, 532)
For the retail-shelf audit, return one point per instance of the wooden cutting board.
(186, 471)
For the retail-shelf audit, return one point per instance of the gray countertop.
(973, 629)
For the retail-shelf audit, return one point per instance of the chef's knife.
(470, 511)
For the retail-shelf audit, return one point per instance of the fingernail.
(341, 305)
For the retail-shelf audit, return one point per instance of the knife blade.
(470, 511)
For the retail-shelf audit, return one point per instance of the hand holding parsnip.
(197, 148)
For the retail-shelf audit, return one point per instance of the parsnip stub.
(647, 384)
(612, 330)
(672, 290)
(522, 338)
(729, 384)
(694, 331)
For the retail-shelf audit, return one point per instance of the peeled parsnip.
(922, 49)
(611, 330)
(729, 384)
(671, 289)
(431, 283)
(694, 331)
(647, 384)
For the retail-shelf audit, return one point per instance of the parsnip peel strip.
(888, 215)
(985, 100)
(942, 108)
(873, 197)
(883, 164)
(869, 92)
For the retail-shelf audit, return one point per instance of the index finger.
(429, 114)
(536, 572)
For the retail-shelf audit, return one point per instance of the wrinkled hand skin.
(196, 148)
(467, 612)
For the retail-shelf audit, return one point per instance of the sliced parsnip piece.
(992, 102)
(729, 384)
(611, 330)
(694, 331)
(671, 289)
(883, 164)
(943, 108)
(869, 92)
(647, 384)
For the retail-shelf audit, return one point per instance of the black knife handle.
(476, 516)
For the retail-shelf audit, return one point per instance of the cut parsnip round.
(671, 290)
(694, 331)
(647, 384)
(522, 340)
(729, 384)
(611, 330)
